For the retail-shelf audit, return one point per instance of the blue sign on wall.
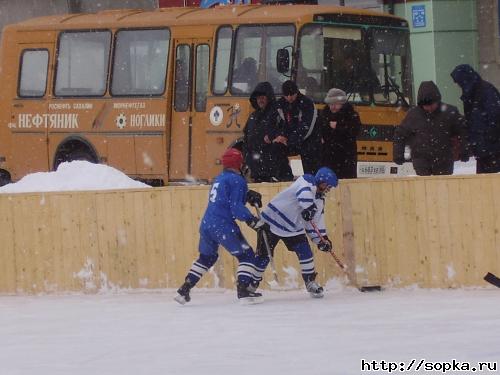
(418, 15)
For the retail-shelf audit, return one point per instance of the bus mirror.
(282, 60)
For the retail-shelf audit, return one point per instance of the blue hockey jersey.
(226, 201)
(283, 213)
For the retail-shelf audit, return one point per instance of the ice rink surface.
(147, 333)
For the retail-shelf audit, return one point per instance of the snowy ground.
(290, 333)
(145, 332)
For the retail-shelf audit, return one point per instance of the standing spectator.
(340, 125)
(226, 203)
(429, 130)
(290, 215)
(482, 110)
(267, 160)
(299, 132)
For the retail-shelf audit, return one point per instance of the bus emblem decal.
(233, 116)
(121, 121)
(216, 115)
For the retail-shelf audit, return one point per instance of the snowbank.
(75, 175)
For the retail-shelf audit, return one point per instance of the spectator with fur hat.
(340, 125)
(429, 130)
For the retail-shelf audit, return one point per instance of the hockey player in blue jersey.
(290, 215)
(226, 203)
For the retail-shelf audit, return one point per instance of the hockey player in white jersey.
(289, 215)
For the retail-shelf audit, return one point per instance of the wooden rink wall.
(435, 232)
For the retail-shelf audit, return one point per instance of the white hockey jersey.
(283, 213)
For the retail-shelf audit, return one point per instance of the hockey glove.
(258, 225)
(254, 198)
(325, 245)
(309, 212)
(399, 160)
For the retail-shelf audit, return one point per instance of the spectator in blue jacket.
(482, 111)
(300, 132)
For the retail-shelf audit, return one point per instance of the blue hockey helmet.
(325, 174)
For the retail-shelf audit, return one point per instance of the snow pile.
(75, 175)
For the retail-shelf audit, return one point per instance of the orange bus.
(160, 94)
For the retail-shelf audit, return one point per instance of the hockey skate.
(314, 289)
(183, 296)
(248, 297)
(254, 285)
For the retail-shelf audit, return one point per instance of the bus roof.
(229, 14)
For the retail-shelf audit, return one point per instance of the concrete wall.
(489, 46)
(449, 38)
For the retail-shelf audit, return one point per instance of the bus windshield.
(372, 65)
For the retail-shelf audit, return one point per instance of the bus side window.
(140, 62)
(33, 73)
(247, 59)
(222, 58)
(201, 83)
(82, 63)
(182, 78)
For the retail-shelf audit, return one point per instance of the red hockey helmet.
(232, 158)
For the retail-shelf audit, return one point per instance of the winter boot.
(183, 293)
(246, 296)
(314, 289)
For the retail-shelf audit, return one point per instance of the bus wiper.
(391, 84)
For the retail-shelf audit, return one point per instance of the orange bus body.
(145, 135)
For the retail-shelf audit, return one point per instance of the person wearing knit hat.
(299, 130)
(335, 96)
(340, 125)
(226, 204)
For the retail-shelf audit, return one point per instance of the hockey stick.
(268, 249)
(322, 239)
(370, 288)
(492, 279)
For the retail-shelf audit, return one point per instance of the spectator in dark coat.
(429, 130)
(482, 110)
(267, 160)
(299, 133)
(340, 125)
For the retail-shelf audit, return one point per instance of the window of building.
(82, 63)
(222, 59)
(201, 80)
(140, 62)
(33, 74)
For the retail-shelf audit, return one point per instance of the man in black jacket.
(429, 129)
(299, 133)
(267, 160)
(482, 110)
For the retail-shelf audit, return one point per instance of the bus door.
(29, 108)
(187, 143)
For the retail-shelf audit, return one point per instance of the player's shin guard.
(197, 270)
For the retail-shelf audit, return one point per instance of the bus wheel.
(76, 154)
(4, 177)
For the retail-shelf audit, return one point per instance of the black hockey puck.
(371, 288)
